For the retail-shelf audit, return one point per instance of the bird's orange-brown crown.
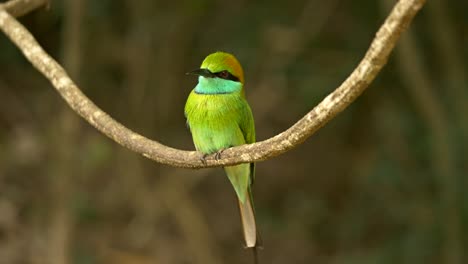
(220, 61)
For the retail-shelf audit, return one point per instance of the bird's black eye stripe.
(226, 75)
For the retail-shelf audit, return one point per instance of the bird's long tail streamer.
(249, 226)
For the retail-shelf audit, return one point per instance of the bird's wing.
(247, 126)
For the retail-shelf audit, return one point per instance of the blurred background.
(384, 182)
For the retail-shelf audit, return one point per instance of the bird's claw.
(218, 154)
(203, 158)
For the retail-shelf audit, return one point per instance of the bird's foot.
(203, 158)
(218, 153)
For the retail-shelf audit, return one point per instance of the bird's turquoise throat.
(217, 86)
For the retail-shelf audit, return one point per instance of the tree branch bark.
(19, 8)
(373, 61)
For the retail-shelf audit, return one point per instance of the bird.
(219, 117)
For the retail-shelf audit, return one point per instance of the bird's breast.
(213, 121)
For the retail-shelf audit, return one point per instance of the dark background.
(384, 182)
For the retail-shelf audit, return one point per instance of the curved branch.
(19, 8)
(375, 58)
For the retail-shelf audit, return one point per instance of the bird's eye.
(226, 75)
(223, 74)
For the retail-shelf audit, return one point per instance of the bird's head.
(222, 66)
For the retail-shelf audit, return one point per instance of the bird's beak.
(201, 72)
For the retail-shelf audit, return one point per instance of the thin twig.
(375, 58)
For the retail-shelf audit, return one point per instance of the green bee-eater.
(219, 117)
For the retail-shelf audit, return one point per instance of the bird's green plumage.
(219, 117)
(219, 121)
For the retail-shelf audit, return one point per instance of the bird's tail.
(247, 214)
